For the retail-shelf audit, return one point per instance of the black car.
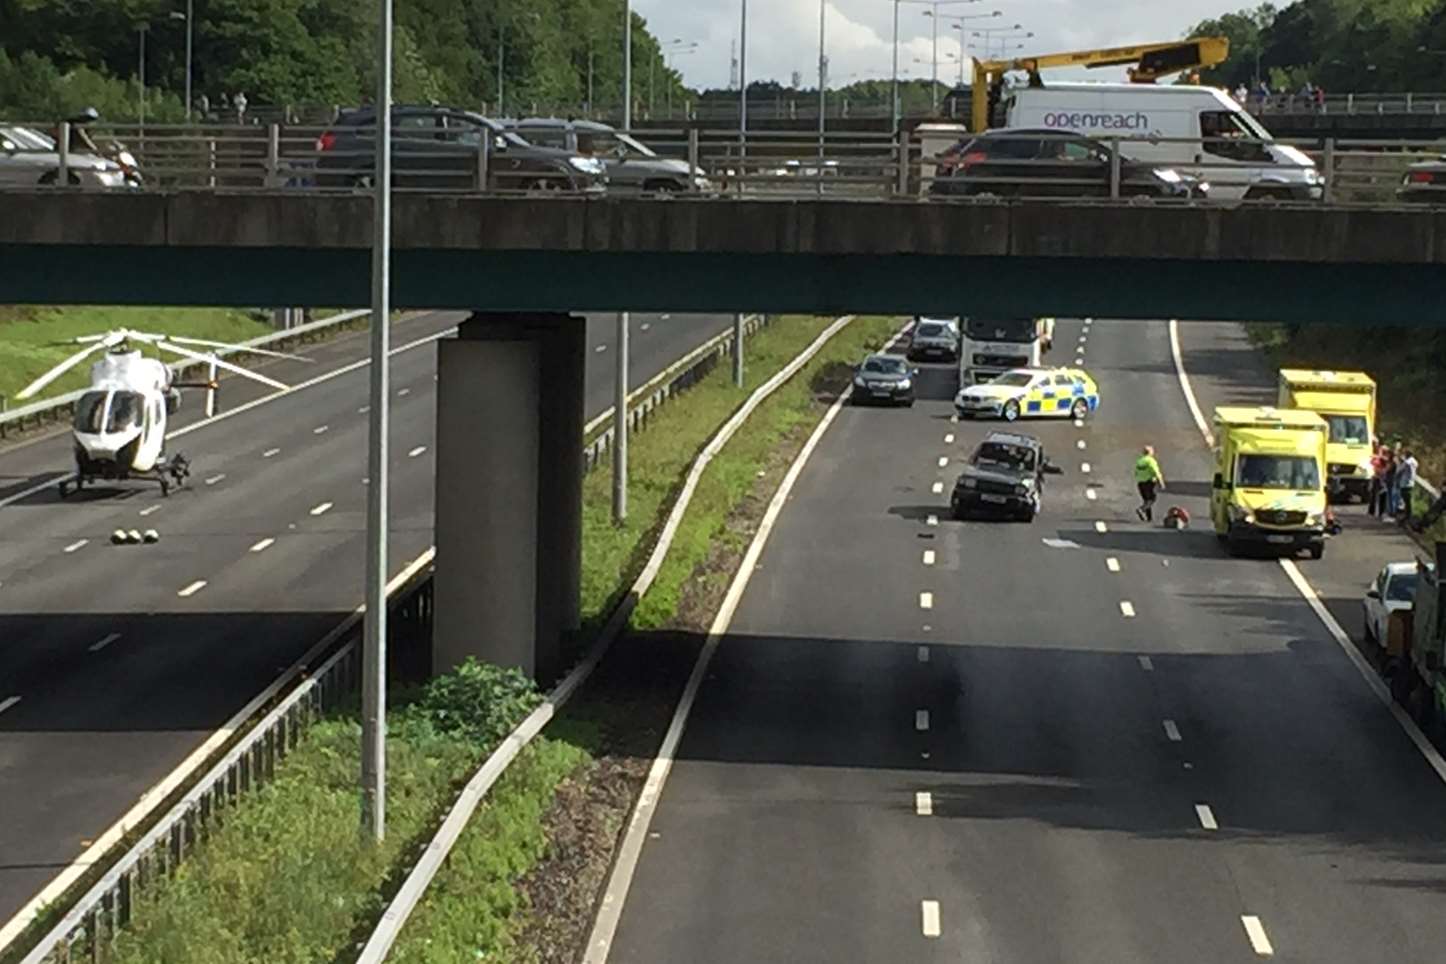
(884, 378)
(1049, 163)
(442, 149)
(1004, 477)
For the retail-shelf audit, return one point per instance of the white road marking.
(601, 348)
(1083, 338)
(364, 409)
(923, 654)
(1256, 932)
(954, 419)
(79, 543)
(1207, 817)
(1343, 640)
(97, 647)
(151, 511)
(938, 488)
(216, 478)
(926, 600)
(404, 393)
(1112, 564)
(263, 545)
(270, 452)
(416, 451)
(928, 557)
(1084, 467)
(321, 509)
(1079, 360)
(1090, 495)
(1101, 528)
(192, 589)
(320, 430)
(1079, 423)
(8, 702)
(943, 461)
(1080, 445)
(1127, 609)
(921, 720)
(933, 520)
(1172, 732)
(949, 439)
(1060, 543)
(929, 911)
(924, 803)
(646, 325)
(1146, 663)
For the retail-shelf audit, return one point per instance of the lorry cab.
(1268, 491)
(989, 348)
(1199, 131)
(1347, 402)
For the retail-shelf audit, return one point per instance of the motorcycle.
(108, 148)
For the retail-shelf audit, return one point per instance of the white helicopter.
(120, 421)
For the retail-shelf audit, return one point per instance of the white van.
(1235, 171)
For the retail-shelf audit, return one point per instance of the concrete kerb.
(409, 895)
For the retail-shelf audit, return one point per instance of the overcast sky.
(783, 34)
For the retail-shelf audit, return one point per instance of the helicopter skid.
(168, 473)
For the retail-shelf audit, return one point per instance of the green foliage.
(477, 701)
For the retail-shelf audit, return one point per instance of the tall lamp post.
(189, 17)
(743, 83)
(681, 52)
(934, 6)
(142, 29)
(667, 51)
(620, 372)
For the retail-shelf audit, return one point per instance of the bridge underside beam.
(509, 491)
(546, 281)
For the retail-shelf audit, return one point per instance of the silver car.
(632, 166)
(934, 338)
(29, 157)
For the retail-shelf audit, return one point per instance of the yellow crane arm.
(1151, 61)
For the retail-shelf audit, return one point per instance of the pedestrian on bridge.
(1149, 480)
(1405, 484)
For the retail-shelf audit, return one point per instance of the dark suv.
(442, 149)
(1048, 163)
(1004, 476)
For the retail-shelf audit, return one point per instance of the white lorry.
(1195, 130)
(991, 347)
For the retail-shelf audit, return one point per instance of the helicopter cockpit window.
(126, 411)
(90, 413)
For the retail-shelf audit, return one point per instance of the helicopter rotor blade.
(61, 369)
(238, 348)
(213, 360)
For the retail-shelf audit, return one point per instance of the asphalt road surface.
(927, 740)
(117, 661)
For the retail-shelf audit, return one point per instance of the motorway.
(117, 661)
(1082, 740)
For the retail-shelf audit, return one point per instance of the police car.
(1031, 393)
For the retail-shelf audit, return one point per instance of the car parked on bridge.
(1031, 393)
(1004, 476)
(29, 157)
(934, 339)
(1051, 164)
(440, 148)
(632, 166)
(884, 378)
(1424, 182)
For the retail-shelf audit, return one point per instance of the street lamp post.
(932, 12)
(743, 84)
(620, 372)
(822, 85)
(190, 36)
(627, 65)
(684, 51)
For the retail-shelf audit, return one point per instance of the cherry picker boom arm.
(1151, 61)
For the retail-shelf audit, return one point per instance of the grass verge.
(483, 907)
(287, 878)
(34, 340)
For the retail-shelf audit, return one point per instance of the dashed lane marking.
(1112, 564)
(364, 409)
(1079, 360)
(938, 488)
(97, 647)
(192, 589)
(924, 803)
(933, 520)
(1206, 816)
(1084, 467)
(151, 511)
(943, 461)
(404, 393)
(1090, 495)
(921, 720)
(928, 557)
(416, 451)
(263, 545)
(926, 600)
(1101, 528)
(1127, 609)
(320, 430)
(1080, 445)
(76, 545)
(8, 702)
(923, 654)
(929, 912)
(216, 478)
(270, 452)
(1146, 663)
(1255, 930)
(949, 439)
(601, 348)
(321, 509)
(1172, 732)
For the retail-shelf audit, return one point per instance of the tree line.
(59, 56)
(1342, 46)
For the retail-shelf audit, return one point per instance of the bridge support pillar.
(509, 491)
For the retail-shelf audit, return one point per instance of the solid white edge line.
(1255, 931)
(926, 600)
(1112, 564)
(929, 918)
(610, 907)
(1343, 640)
(1172, 731)
(1206, 816)
(192, 589)
(929, 557)
(924, 803)
(110, 638)
(8, 702)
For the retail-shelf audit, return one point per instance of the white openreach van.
(1248, 169)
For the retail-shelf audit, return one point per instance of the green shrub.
(477, 702)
